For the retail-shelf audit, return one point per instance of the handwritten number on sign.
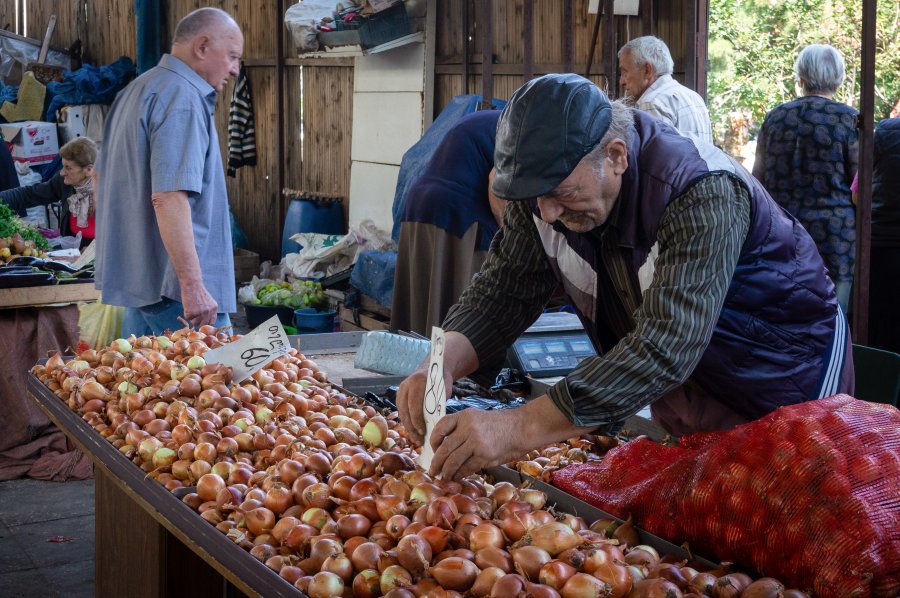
(255, 356)
(435, 384)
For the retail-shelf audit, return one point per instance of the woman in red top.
(78, 158)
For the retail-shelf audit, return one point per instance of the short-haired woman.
(806, 157)
(73, 186)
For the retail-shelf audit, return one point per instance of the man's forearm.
(173, 215)
(541, 423)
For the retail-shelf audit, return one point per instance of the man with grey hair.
(645, 67)
(164, 246)
(702, 297)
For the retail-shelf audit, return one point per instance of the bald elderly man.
(163, 232)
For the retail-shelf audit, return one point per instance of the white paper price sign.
(250, 353)
(435, 403)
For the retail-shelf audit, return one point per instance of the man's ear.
(617, 155)
(200, 45)
(649, 72)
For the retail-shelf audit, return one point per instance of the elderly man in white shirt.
(646, 66)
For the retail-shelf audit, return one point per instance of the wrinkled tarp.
(8, 93)
(416, 158)
(89, 85)
(29, 443)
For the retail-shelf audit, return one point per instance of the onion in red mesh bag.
(809, 494)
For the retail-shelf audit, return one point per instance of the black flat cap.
(548, 126)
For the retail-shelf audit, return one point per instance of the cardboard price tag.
(250, 353)
(87, 255)
(435, 401)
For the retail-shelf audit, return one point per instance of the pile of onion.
(325, 491)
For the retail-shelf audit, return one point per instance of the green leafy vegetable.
(10, 224)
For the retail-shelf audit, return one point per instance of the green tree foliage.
(753, 45)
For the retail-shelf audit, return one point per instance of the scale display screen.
(542, 355)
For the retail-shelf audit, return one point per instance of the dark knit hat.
(548, 126)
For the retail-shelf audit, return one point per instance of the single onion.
(340, 565)
(325, 584)
(556, 573)
(455, 573)
(414, 553)
(366, 556)
(493, 557)
(352, 525)
(530, 559)
(485, 582)
(209, 485)
(484, 535)
(765, 587)
(510, 584)
(394, 576)
(582, 585)
(367, 584)
(554, 537)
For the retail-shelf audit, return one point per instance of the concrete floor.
(46, 539)
(47, 533)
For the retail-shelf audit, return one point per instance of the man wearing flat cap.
(703, 298)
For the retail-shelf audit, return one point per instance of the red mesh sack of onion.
(809, 494)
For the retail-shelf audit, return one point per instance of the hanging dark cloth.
(241, 129)
(149, 35)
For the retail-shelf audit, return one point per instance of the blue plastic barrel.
(311, 216)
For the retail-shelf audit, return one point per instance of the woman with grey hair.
(806, 158)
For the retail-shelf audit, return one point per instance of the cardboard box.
(31, 141)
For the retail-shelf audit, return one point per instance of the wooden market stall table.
(147, 542)
(33, 322)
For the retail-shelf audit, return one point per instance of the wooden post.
(487, 52)
(528, 33)
(866, 158)
(610, 59)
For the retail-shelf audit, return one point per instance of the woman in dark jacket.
(73, 187)
(8, 176)
(884, 261)
(806, 158)
(447, 225)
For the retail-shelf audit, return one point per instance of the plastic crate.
(385, 26)
(257, 314)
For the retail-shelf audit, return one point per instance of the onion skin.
(731, 585)
(655, 588)
(703, 583)
(765, 587)
(582, 585)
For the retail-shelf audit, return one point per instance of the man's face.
(584, 200)
(222, 57)
(633, 79)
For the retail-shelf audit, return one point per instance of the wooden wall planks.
(317, 142)
(550, 38)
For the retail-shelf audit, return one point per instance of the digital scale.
(552, 346)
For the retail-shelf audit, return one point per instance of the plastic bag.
(99, 324)
(807, 494)
(324, 255)
(302, 19)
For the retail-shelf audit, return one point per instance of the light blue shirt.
(160, 136)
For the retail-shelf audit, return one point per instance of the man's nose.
(550, 210)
